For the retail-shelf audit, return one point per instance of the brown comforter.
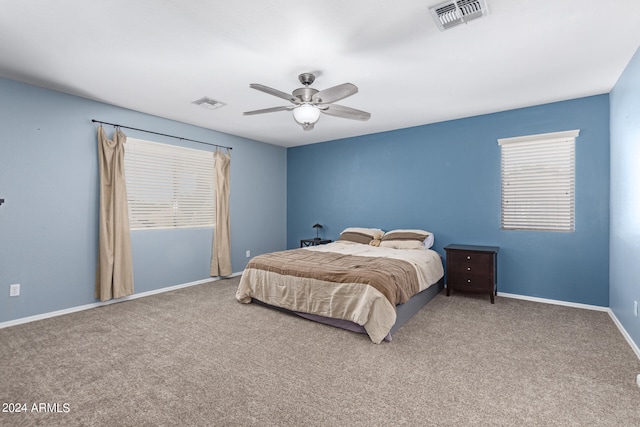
(396, 279)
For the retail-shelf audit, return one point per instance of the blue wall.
(49, 179)
(625, 198)
(445, 178)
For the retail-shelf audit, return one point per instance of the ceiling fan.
(308, 103)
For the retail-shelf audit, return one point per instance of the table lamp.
(317, 227)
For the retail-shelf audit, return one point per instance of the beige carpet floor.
(196, 357)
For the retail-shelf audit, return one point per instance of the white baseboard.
(621, 328)
(113, 301)
(554, 302)
(626, 336)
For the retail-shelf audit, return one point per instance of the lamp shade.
(306, 113)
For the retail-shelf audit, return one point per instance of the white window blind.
(168, 186)
(538, 182)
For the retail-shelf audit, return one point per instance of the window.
(168, 186)
(538, 182)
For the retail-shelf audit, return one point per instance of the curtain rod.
(162, 134)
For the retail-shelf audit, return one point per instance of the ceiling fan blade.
(268, 110)
(274, 92)
(335, 93)
(344, 112)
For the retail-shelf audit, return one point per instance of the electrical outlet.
(248, 253)
(635, 308)
(14, 290)
(638, 380)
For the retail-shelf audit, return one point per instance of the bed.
(367, 281)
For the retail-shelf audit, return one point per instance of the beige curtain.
(221, 247)
(114, 275)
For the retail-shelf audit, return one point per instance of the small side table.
(314, 242)
(472, 268)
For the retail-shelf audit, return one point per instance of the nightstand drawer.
(463, 281)
(470, 257)
(472, 268)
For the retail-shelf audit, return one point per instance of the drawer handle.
(468, 268)
(468, 280)
(468, 257)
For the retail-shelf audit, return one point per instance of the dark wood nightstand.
(472, 268)
(313, 242)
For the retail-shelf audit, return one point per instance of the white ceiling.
(157, 56)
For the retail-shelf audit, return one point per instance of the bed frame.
(404, 312)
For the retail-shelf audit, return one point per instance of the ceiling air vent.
(209, 103)
(452, 13)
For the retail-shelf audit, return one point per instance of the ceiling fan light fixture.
(309, 102)
(306, 114)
